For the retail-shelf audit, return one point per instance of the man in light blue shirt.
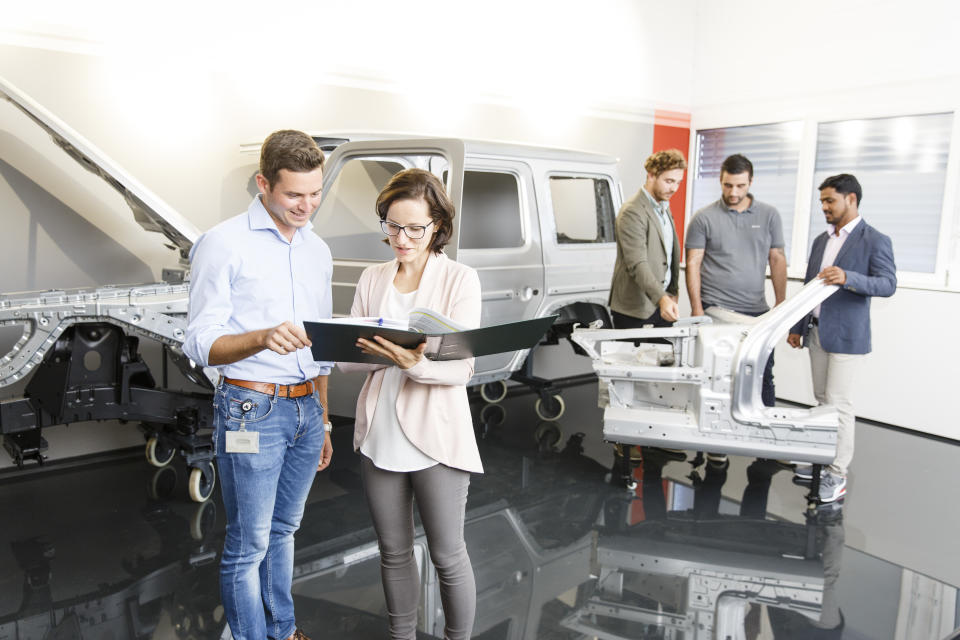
(255, 279)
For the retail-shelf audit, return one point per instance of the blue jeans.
(264, 495)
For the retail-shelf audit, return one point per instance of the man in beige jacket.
(646, 274)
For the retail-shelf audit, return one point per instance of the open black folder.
(336, 341)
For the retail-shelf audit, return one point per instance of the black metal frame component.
(541, 386)
(568, 317)
(95, 372)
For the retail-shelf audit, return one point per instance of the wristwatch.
(327, 427)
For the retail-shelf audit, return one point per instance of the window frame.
(524, 209)
(946, 275)
(580, 246)
(694, 170)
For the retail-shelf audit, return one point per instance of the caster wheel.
(202, 482)
(493, 392)
(163, 483)
(203, 520)
(159, 453)
(550, 410)
(493, 415)
(548, 435)
(184, 624)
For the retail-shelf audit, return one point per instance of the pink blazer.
(432, 406)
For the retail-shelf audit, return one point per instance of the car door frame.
(346, 271)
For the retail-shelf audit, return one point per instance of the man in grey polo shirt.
(729, 244)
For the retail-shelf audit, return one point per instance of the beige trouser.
(834, 375)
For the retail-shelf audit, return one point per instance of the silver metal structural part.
(149, 210)
(714, 587)
(156, 311)
(702, 390)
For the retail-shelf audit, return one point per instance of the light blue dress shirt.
(245, 276)
(666, 226)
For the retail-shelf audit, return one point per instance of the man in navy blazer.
(859, 258)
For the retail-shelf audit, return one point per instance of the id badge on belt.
(241, 440)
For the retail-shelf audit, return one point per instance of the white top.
(831, 250)
(386, 444)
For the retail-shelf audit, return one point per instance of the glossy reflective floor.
(116, 550)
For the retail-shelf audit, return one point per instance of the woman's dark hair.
(417, 184)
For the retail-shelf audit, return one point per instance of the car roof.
(328, 141)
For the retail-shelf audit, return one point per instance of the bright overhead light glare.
(904, 136)
(851, 134)
(793, 130)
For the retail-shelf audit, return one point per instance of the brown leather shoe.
(298, 635)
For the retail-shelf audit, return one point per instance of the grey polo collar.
(749, 209)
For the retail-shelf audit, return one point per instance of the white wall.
(171, 99)
(758, 62)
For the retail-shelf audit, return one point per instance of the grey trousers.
(441, 494)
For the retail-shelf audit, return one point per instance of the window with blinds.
(774, 150)
(901, 163)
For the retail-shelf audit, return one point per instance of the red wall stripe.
(671, 130)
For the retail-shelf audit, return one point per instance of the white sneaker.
(804, 471)
(832, 487)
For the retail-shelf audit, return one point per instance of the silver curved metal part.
(747, 406)
(705, 396)
(590, 338)
(149, 210)
(155, 311)
(713, 582)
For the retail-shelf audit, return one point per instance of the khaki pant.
(834, 375)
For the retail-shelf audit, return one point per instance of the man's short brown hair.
(418, 184)
(291, 150)
(666, 160)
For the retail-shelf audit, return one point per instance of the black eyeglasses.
(413, 231)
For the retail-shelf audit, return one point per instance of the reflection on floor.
(723, 550)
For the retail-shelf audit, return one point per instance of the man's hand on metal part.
(326, 455)
(403, 358)
(286, 338)
(669, 310)
(833, 275)
(794, 340)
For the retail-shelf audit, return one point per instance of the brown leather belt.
(285, 390)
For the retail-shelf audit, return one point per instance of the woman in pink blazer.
(413, 427)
